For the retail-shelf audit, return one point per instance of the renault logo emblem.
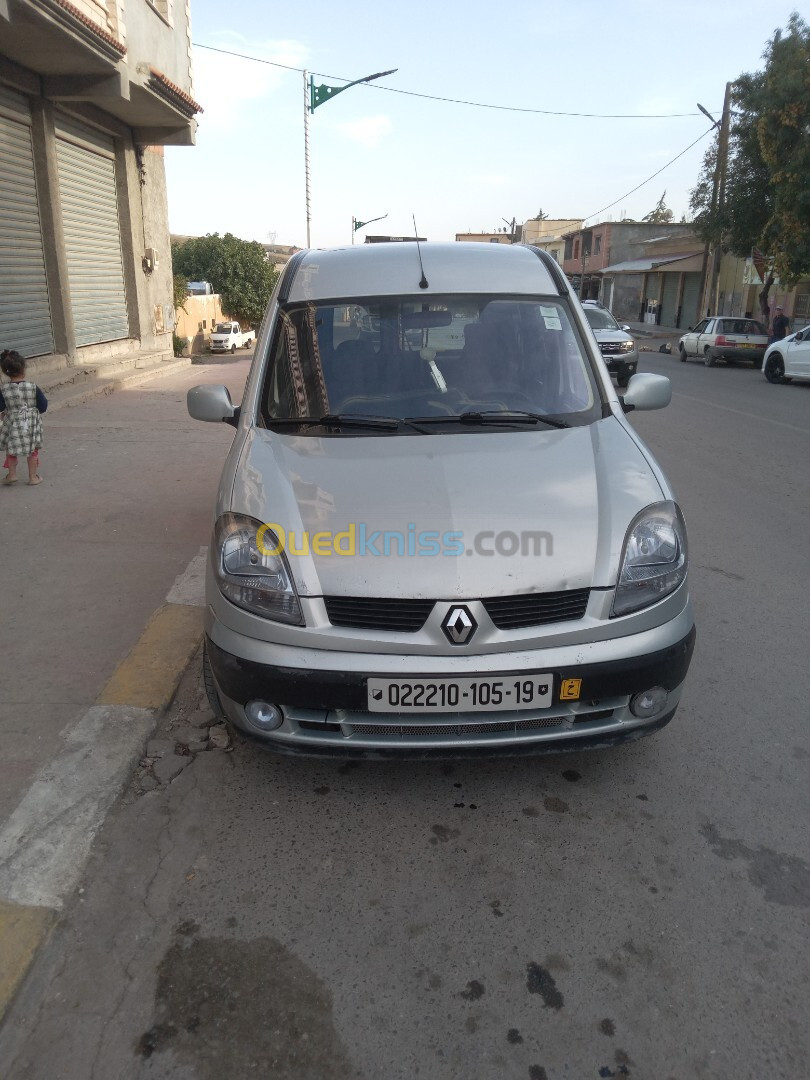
(459, 625)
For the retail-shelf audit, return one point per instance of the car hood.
(555, 503)
(611, 335)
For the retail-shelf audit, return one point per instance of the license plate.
(460, 695)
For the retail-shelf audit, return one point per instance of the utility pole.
(313, 97)
(718, 201)
(722, 162)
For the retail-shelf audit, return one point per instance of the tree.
(237, 269)
(660, 214)
(180, 287)
(766, 201)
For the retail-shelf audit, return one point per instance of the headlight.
(654, 558)
(248, 575)
(628, 346)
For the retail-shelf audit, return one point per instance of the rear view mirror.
(647, 391)
(421, 320)
(212, 404)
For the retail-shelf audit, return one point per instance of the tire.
(211, 690)
(709, 357)
(775, 368)
(623, 379)
(684, 355)
(233, 349)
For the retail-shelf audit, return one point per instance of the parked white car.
(229, 336)
(725, 338)
(789, 358)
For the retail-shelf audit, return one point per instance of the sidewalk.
(89, 560)
(127, 498)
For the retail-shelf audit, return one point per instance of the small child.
(21, 403)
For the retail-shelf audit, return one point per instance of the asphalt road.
(637, 913)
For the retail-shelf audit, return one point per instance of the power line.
(649, 178)
(454, 101)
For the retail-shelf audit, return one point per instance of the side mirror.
(690, 328)
(626, 329)
(212, 404)
(647, 391)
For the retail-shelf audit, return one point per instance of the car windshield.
(442, 358)
(599, 318)
(223, 328)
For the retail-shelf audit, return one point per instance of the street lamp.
(313, 97)
(362, 224)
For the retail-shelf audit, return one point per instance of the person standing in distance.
(780, 325)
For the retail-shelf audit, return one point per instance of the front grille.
(534, 609)
(612, 347)
(493, 728)
(363, 613)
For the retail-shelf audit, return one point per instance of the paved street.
(635, 913)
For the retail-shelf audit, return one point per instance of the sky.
(456, 168)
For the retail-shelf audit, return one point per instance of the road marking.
(149, 676)
(741, 412)
(189, 587)
(46, 841)
(22, 931)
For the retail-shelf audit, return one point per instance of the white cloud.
(368, 130)
(224, 84)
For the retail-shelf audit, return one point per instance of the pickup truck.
(229, 336)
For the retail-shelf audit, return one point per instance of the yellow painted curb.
(22, 931)
(150, 675)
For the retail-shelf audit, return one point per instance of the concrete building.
(90, 93)
(642, 271)
(486, 237)
(549, 234)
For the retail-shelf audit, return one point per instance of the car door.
(704, 335)
(797, 358)
(690, 341)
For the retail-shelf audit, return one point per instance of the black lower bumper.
(310, 688)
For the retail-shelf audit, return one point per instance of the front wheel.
(775, 368)
(709, 358)
(683, 355)
(623, 379)
(233, 348)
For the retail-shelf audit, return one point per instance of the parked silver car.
(618, 347)
(436, 531)
(726, 339)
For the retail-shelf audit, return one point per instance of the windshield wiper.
(382, 423)
(511, 416)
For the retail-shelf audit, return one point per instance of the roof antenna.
(423, 284)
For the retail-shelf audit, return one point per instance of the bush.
(178, 344)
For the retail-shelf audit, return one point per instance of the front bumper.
(326, 710)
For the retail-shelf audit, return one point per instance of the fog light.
(648, 702)
(263, 716)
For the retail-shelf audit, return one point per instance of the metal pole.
(722, 162)
(306, 157)
(353, 227)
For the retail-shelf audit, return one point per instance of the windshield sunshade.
(446, 357)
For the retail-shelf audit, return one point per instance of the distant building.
(90, 93)
(395, 239)
(549, 234)
(486, 238)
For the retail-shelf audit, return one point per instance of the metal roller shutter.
(669, 300)
(88, 198)
(690, 301)
(25, 313)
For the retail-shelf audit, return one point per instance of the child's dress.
(21, 426)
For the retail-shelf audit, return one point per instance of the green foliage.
(178, 345)
(660, 212)
(767, 190)
(237, 269)
(180, 285)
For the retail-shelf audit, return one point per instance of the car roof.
(393, 270)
